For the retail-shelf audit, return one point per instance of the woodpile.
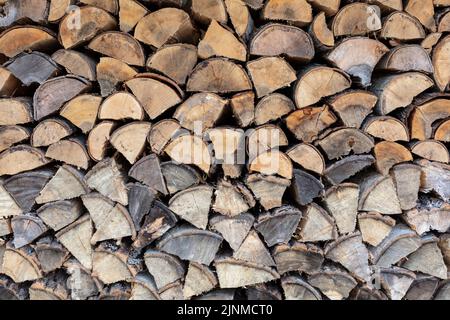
(224, 149)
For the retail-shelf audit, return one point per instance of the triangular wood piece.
(335, 283)
(193, 205)
(268, 190)
(143, 287)
(305, 187)
(77, 239)
(342, 202)
(179, 176)
(26, 229)
(378, 193)
(296, 288)
(374, 227)
(112, 266)
(232, 199)
(8, 207)
(428, 219)
(199, 279)
(106, 178)
(148, 171)
(253, 250)
(163, 267)
(140, 200)
(51, 254)
(60, 214)
(350, 252)
(67, 183)
(233, 229)
(317, 225)
(298, 256)
(21, 264)
(396, 281)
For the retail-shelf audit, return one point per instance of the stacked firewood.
(224, 149)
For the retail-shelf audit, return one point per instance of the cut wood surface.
(224, 149)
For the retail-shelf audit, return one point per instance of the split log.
(431, 150)
(143, 287)
(357, 56)
(265, 138)
(427, 259)
(115, 291)
(334, 283)
(120, 46)
(155, 96)
(91, 20)
(296, 288)
(98, 140)
(396, 281)
(190, 149)
(148, 171)
(161, 133)
(35, 67)
(279, 225)
(120, 106)
(430, 41)
(111, 73)
(265, 110)
(423, 288)
(164, 26)
(233, 229)
(208, 11)
(356, 19)
(319, 82)
(15, 111)
(45, 102)
(423, 11)
(179, 176)
(442, 132)
(51, 288)
(353, 107)
(76, 62)
(270, 74)
(23, 10)
(175, 61)
(341, 141)
(135, 131)
(235, 273)
(8, 207)
(305, 187)
(400, 242)
(130, 13)
(232, 199)
(18, 39)
(173, 291)
(5, 227)
(242, 105)
(444, 22)
(51, 254)
(191, 244)
(316, 225)
(21, 158)
(240, 17)
(388, 5)
(378, 193)
(193, 205)
(112, 266)
(400, 26)
(220, 42)
(11, 135)
(199, 279)
(276, 39)
(406, 58)
(406, 85)
(406, 178)
(140, 200)
(253, 250)
(21, 264)
(298, 13)
(342, 202)
(435, 177)
(67, 183)
(307, 123)
(111, 6)
(298, 256)
(263, 291)
(218, 75)
(8, 82)
(164, 268)
(374, 227)
(443, 291)
(308, 157)
(386, 128)
(50, 131)
(26, 229)
(200, 108)
(60, 214)
(423, 220)
(389, 154)
(82, 111)
(425, 115)
(34, 182)
(10, 290)
(321, 35)
(349, 166)
(272, 162)
(70, 151)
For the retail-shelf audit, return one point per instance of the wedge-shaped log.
(76, 62)
(22, 38)
(10, 135)
(341, 141)
(135, 132)
(15, 111)
(111, 267)
(46, 102)
(423, 288)
(234, 273)
(441, 73)
(334, 283)
(401, 26)
(374, 227)
(148, 171)
(342, 202)
(193, 205)
(199, 279)
(92, 21)
(21, 158)
(321, 35)
(386, 128)
(190, 149)
(253, 250)
(316, 225)
(35, 67)
(296, 288)
(120, 106)
(191, 244)
(396, 281)
(356, 19)
(166, 25)
(232, 199)
(305, 187)
(275, 39)
(143, 287)
(179, 176)
(388, 154)
(432, 150)
(406, 58)
(343, 169)
(298, 256)
(21, 264)
(161, 133)
(240, 17)
(8, 207)
(106, 178)
(298, 13)
(233, 229)
(318, 82)
(164, 268)
(353, 106)
(111, 73)
(435, 177)
(425, 220)
(26, 229)
(98, 140)
(406, 178)
(272, 107)
(358, 56)
(130, 13)
(82, 111)
(264, 138)
(16, 10)
(50, 131)
(206, 11)
(218, 75)
(425, 115)
(70, 151)
(118, 45)
(400, 242)
(378, 193)
(51, 254)
(272, 162)
(59, 214)
(308, 157)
